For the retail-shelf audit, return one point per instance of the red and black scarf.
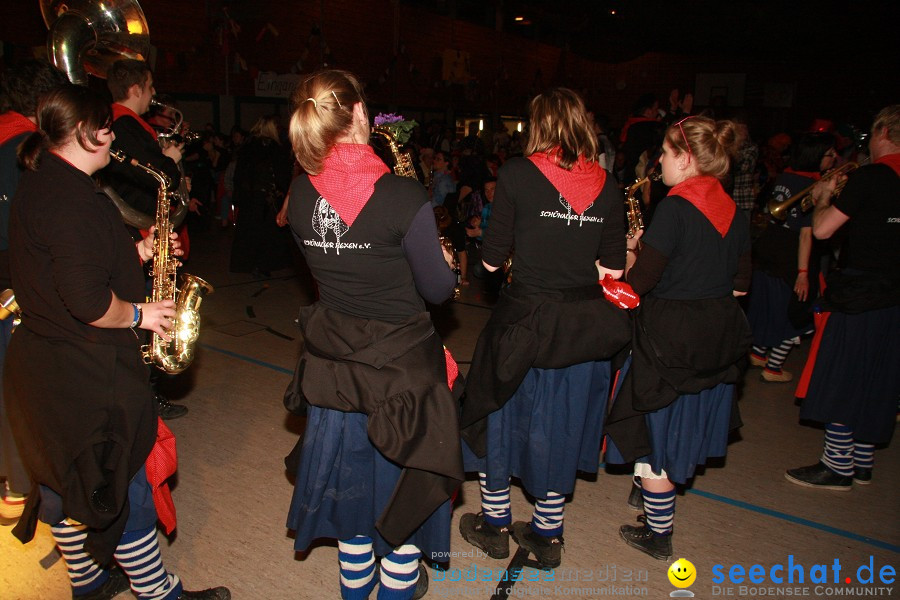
(348, 177)
(13, 124)
(120, 110)
(706, 193)
(579, 185)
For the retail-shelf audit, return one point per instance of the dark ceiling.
(620, 30)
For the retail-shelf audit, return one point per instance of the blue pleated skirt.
(685, 433)
(767, 310)
(343, 484)
(856, 377)
(551, 428)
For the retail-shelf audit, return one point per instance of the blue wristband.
(138, 315)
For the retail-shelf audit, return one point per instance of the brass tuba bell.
(87, 37)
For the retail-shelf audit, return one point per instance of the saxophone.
(633, 205)
(177, 355)
(404, 168)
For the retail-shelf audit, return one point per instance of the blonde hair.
(266, 127)
(558, 118)
(323, 111)
(712, 143)
(889, 118)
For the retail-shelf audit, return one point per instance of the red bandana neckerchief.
(348, 178)
(706, 193)
(631, 121)
(809, 174)
(120, 110)
(13, 124)
(891, 160)
(580, 186)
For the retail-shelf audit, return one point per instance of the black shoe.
(820, 476)
(217, 593)
(644, 539)
(862, 476)
(167, 410)
(112, 587)
(636, 497)
(490, 538)
(422, 583)
(547, 550)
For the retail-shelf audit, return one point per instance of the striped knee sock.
(357, 567)
(494, 504)
(547, 519)
(863, 455)
(399, 573)
(659, 508)
(85, 574)
(138, 555)
(838, 455)
(778, 355)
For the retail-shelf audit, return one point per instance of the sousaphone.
(88, 36)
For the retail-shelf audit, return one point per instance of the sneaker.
(647, 541)
(636, 497)
(862, 476)
(546, 549)
(776, 376)
(169, 411)
(421, 584)
(112, 587)
(492, 539)
(217, 593)
(756, 361)
(820, 476)
(11, 506)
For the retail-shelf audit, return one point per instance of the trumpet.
(174, 134)
(633, 205)
(779, 210)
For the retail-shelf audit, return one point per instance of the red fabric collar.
(580, 186)
(120, 110)
(13, 124)
(348, 178)
(891, 160)
(631, 121)
(706, 193)
(810, 174)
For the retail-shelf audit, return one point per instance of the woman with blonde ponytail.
(380, 456)
(676, 404)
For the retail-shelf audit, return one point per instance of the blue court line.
(798, 520)
(709, 495)
(248, 359)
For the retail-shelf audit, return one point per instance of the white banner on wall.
(273, 85)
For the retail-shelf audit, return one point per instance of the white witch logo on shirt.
(570, 215)
(326, 219)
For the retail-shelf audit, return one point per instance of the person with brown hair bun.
(536, 393)
(676, 404)
(91, 428)
(380, 457)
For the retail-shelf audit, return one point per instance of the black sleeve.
(137, 143)
(434, 279)
(745, 272)
(498, 239)
(611, 252)
(647, 269)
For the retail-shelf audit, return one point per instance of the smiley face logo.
(682, 573)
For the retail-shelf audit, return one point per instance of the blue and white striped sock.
(863, 455)
(138, 555)
(547, 519)
(399, 573)
(778, 355)
(494, 504)
(357, 567)
(85, 574)
(659, 508)
(838, 455)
